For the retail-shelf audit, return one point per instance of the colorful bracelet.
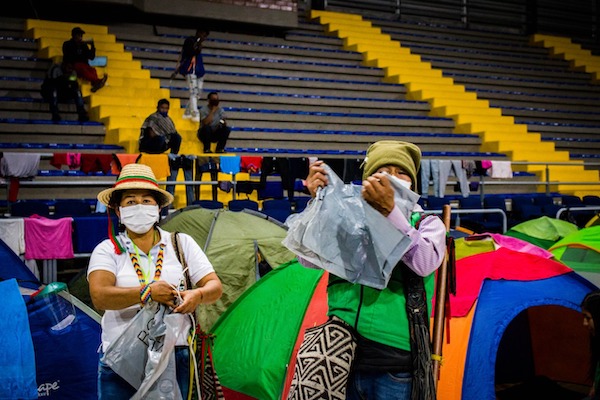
(145, 294)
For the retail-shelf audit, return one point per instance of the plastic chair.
(549, 209)
(277, 204)
(209, 204)
(436, 203)
(239, 205)
(300, 203)
(523, 209)
(71, 208)
(280, 214)
(476, 221)
(591, 200)
(27, 208)
(494, 222)
(571, 201)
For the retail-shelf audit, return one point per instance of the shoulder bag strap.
(181, 258)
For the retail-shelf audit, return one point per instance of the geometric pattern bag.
(324, 362)
(207, 382)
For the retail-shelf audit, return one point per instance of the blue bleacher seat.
(279, 214)
(301, 202)
(210, 204)
(493, 221)
(591, 200)
(523, 209)
(474, 222)
(239, 205)
(27, 208)
(71, 208)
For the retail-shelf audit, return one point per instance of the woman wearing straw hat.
(140, 265)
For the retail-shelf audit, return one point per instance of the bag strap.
(181, 258)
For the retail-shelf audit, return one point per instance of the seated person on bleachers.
(60, 85)
(213, 127)
(78, 52)
(158, 132)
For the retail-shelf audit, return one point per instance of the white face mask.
(139, 218)
(404, 183)
(399, 181)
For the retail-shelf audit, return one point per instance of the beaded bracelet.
(145, 294)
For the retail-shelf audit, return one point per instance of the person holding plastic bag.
(138, 269)
(383, 363)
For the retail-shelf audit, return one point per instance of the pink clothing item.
(428, 246)
(72, 160)
(48, 239)
(500, 264)
(485, 164)
(514, 244)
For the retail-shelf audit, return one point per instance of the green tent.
(543, 231)
(256, 339)
(237, 244)
(581, 252)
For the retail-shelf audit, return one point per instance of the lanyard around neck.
(138, 268)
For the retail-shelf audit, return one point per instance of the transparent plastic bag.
(144, 355)
(341, 233)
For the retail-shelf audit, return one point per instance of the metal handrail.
(582, 208)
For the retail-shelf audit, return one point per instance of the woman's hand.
(190, 300)
(163, 292)
(379, 193)
(316, 177)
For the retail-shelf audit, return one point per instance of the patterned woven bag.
(324, 362)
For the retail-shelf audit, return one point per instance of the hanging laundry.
(96, 162)
(251, 164)
(17, 166)
(121, 160)
(159, 164)
(12, 232)
(72, 160)
(500, 169)
(446, 168)
(48, 239)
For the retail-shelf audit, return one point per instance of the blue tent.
(65, 334)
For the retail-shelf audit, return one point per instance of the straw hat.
(136, 176)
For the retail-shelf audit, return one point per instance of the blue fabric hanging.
(17, 359)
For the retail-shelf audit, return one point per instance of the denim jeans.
(112, 387)
(430, 169)
(195, 85)
(446, 167)
(176, 162)
(379, 386)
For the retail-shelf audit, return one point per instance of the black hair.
(591, 304)
(117, 195)
(210, 94)
(163, 101)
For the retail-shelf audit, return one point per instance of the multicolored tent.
(515, 317)
(581, 252)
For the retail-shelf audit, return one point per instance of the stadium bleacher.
(303, 94)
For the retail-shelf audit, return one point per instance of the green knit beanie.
(391, 152)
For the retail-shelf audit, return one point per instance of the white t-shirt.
(104, 258)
